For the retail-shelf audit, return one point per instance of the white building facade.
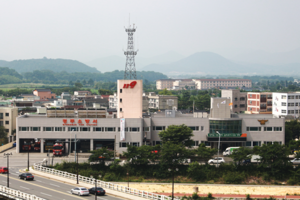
(286, 104)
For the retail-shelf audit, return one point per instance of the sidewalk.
(236, 196)
(82, 184)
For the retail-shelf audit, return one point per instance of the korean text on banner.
(122, 129)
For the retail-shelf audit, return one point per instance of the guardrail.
(6, 146)
(16, 194)
(108, 185)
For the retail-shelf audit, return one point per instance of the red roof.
(105, 96)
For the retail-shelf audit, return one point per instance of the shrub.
(292, 181)
(195, 196)
(234, 177)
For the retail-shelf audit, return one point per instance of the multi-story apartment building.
(237, 98)
(204, 84)
(259, 103)
(166, 102)
(113, 101)
(8, 117)
(286, 104)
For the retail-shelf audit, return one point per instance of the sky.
(87, 30)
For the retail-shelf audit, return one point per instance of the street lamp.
(7, 155)
(173, 170)
(218, 148)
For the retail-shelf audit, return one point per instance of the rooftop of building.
(223, 79)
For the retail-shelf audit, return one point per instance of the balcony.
(263, 99)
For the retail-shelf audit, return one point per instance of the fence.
(16, 194)
(108, 185)
(6, 146)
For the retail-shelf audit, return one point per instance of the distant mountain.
(199, 63)
(261, 57)
(56, 65)
(118, 62)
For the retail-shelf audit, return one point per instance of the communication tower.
(130, 72)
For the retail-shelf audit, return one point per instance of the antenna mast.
(130, 72)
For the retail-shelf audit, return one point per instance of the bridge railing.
(104, 184)
(17, 194)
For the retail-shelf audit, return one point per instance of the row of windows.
(290, 104)
(125, 144)
(253, 128)
(290, 111)
(106, 129)
(290, 97)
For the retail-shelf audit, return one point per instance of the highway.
(41, 187)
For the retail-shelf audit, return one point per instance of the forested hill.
(56, 65)
(46, 76)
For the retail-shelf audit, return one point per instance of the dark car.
(247, 161)
(26, 176)
(3, 170)
(100, 191)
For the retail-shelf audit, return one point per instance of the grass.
(28, 86)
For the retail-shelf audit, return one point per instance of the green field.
(29, 86)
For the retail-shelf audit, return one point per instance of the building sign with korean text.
(227, 135)
(80, 122)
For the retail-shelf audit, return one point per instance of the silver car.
(216, 160)
(295, 161)
(80, 191)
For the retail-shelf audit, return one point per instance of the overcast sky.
(85, 30)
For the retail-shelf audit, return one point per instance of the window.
(250, 102)
(268, 129)
(136, 144)
(296, 111)
(297, 97)
(6, 122)
(123, 144)
(296, 104)
(250, 95)
(290, 104)
(72, 128)
(110, 129)
(267, 142)
(207, 143)
(59, 129)
(47, 128)
(256, 143)
(283, 96)
(290, 97)
(159, 128)
(253, 128)
(289, 112)
(194, 128)
(35, 128)
(235, 99)
(1, 115)
(292, 112)
(85, 129)
(283, 104)
(146, 128)
(97, 128)
(120, 109)
(121, 100)
(195, 144)
(134, 129)
(202, 128)
(120, 90)
(248, 144)
(283, 111)
(7, 130)
(6, 114)
(1, 123)
(23, 128)
(277, 128)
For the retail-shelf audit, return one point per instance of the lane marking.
(54, 185)
(25, 188)
(39, 181)
(46, 194)
(46, 188)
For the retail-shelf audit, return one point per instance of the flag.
(223, 102)
(230, 104)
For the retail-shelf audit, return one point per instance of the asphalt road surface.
(45, 188)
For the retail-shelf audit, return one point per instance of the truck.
(58, 149)
(26, 147)
(49, 146)
(228, 151)
(254, 159)
(37, 146)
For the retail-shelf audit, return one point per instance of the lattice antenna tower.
(130, 72)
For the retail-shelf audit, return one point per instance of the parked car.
(80, 191)
(216, 160)
(295, 161)
(247, 161)
(26, 176)
(100, 191)
(3, 170)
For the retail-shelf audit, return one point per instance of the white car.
(80, 191)
(295, 161)
(216, 160)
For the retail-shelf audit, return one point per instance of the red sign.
(94, 121)
(72, 121)
(80, 122)
(65, 121)
(131, 85)
(87, 121)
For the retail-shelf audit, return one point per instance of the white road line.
(13, 173)
(39, 181)
(24, 187)
(69, 192)
(54, 185)
(46, 194)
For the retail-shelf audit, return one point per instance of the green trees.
(203, 153)
(101, 155)
(292, 130)
(177, 134)
(3, 136)
(165, 92)
(240, 154)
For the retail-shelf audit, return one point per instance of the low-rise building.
(205, 84)
(8, 116)
(259, 103)
(285, 104)
(82, 93)
(162, 102)
(162, 84)
(237, 98)
(183, 84)
(44, 94)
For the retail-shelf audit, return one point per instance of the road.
(41, 187)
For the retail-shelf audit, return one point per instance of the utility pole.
(7, 156)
